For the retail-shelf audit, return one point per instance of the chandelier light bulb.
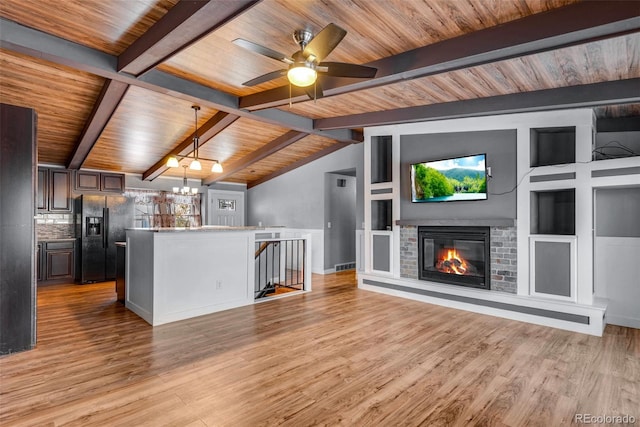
(195, 165)
(172, 162)
(217, 167)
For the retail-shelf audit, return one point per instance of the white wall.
(617, 252)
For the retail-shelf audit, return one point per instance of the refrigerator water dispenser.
(94, 226)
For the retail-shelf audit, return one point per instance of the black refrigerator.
(104, 221)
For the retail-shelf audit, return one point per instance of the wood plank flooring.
(335, 356)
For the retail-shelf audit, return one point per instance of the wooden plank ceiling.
(113, 82)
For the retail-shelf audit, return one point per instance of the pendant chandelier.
(185, 186)
(195, 164)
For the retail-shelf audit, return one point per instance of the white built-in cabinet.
(380, 212)
(558, 170)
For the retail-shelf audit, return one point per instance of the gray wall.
(296, 199)
(624, 219)
(340, 211)
(500, 147)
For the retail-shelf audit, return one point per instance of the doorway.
(225, 208)
(340, 220)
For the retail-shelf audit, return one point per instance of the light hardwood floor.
(335, 356)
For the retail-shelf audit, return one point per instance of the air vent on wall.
(345, 266)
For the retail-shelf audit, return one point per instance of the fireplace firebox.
(455, 255)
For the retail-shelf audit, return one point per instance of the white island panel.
(139, 298)
(201, 273)
(177, 274)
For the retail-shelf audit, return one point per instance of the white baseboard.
(595, 314)
(629, 322)
(146, 315)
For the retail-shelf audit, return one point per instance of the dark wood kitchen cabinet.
(18, 160)
(87, 181)
(54, 190)
(99, 181)
(56, 261)
(42, 199)
(60, 190)
(40, 262)
(112, 182)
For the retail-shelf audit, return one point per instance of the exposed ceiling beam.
(620, 124)
(574, 24)
(303, 124)
(335, 147)
(266, 150)
(110, 96)
(182, 25)
(28, 41)
(211, 128)
(580, 96)
(54, 49)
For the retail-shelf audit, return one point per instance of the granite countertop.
(203, 228)
(67, 239)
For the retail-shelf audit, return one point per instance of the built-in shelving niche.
(553, 212)
(381, 214)
(553, 146)
(381, 159)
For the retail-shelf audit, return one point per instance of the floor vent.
(345, 266)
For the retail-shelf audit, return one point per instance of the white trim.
(382, 185)
(384, 196)
(594, 312)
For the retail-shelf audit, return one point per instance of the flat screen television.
(449, 180)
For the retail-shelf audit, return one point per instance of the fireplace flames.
(453, 263)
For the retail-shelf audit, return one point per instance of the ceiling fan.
(306, 64)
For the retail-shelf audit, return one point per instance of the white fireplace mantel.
(492, 222)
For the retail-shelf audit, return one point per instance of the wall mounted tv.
(449, 180)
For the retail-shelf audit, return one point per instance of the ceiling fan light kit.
(302, 75)
(304, 66)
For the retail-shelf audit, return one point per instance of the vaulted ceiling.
(113, 82)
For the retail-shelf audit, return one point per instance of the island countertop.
(203, 228)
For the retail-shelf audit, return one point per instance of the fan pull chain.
(289, 95)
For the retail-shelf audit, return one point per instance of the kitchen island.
(180, 273)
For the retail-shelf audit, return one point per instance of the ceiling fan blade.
(341, 69)
(314, 92)
(270, 53)
(324, 42)
(265, 78)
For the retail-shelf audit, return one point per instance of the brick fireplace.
(502, 256)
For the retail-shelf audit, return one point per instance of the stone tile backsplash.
(55, 226)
